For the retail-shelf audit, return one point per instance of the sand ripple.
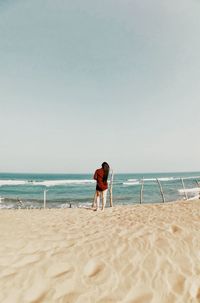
(133, 254)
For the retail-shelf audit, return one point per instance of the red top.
(98, 176)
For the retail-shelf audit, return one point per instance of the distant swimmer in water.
(101, 176)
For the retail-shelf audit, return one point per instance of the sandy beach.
(129, 254)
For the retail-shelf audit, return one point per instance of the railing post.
(45, 197)
(186, 196)
(141, 190)
(110, 189)
(161, 190)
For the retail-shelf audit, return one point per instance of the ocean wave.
(133, 180)
(13, 182)
(63, 182)
(153, 179)
(164, 179)
(146, 180)
(47, 183)
(167, 179)
(4, 206)
(131, 183)
(194, 198)
(191, 177)
(189, 190)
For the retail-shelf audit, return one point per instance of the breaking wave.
(45, 183)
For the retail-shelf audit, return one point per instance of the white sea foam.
(167, 179)
(62, 182)
(154, 179)
(65, 205)
(132, 180)
(194, 198)
(137, 181)
(45, 183)
(149, 179)
(189, 190)
(13, 182)
(131, 183)
(3, 206)
(192, 177)
(162, 179)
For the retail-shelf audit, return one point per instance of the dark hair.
(106, 169)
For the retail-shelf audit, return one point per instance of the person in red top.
(101, 176)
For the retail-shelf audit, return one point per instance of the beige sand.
(133, 254)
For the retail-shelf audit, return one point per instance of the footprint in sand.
(175, 229)
(95, 271)
(195, 288)
(100, 273)
(93, 268)
(178, 284)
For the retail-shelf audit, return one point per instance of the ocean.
(77, 190)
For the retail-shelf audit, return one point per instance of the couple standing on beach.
(101, 176)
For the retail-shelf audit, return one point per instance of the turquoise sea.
(77, 190)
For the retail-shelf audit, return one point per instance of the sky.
(82, 82)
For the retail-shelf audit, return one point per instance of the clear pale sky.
(82, 82)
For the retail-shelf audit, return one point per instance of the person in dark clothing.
(101, 176)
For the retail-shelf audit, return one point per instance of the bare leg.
(95, 200)
(104, 196)
(103, 202)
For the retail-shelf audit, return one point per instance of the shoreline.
(79, 189)
(146, 253)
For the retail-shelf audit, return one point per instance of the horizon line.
(88, 173)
